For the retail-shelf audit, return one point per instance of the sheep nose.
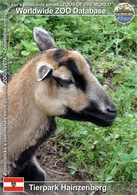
(111, 109)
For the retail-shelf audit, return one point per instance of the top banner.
(70, 8)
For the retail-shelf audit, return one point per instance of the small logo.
(13, 184)
(124, 13)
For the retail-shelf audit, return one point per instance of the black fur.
(58, 54)
(78, 77)
(88, 114)
(31, 172)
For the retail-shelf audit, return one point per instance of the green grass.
(108, 154)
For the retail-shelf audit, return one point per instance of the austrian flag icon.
(13, 184)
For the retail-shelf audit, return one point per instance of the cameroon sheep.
(55, 82)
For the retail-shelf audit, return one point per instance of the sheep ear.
(43, 39)
(44, 72)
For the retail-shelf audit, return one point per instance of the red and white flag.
(13, 184)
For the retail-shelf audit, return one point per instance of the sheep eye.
(63, 82)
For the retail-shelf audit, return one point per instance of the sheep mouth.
(98, 118)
